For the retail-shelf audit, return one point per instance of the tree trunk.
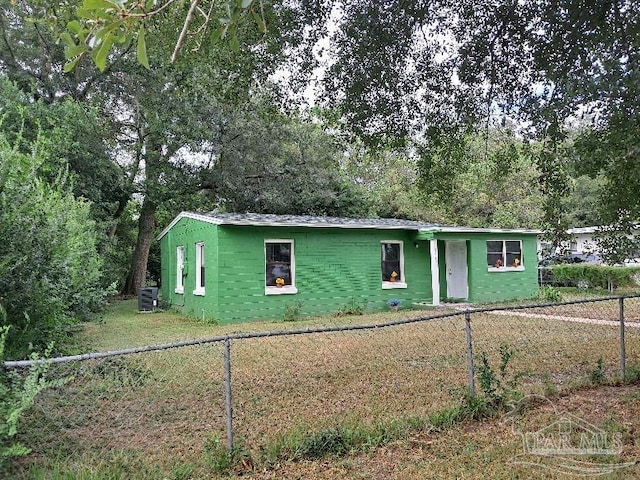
(137, 275)
(138, 272)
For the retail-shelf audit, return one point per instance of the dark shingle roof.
(315, 221)
(257, 219)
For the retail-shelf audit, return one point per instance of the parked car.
(570, 258)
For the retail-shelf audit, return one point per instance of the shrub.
(597, 375)
(49, 265)
(497, 388)
(17, 395)
(292, 312)
(550, 294)
(594, 275)
(352, 308)
(218, 457)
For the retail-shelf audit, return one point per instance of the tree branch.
(183, 33)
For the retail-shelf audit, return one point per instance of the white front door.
(456, 260)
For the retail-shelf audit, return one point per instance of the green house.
(237, 267)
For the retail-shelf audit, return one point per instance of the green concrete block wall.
(486, 286)
(333, 268)
(188, 232)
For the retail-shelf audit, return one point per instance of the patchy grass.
(372, 391)
(468, 450)
(122, 326)
(484, 449)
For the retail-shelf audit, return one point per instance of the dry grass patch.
(288, 384)
(483, 449)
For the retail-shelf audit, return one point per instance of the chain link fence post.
(227, 393)
(472, 373)
(623, 359)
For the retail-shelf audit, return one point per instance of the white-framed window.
(504, 255)
(392, 264)
(280, 267)
(180, 269)
(200, 264)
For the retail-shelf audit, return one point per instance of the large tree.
(157, 116)
(267, 162)
(431, 69)
(430, 72)
(77, 139)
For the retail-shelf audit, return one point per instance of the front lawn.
(162, 414)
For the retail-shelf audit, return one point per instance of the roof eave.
(181, 215)
(445, 229)
(422, 229)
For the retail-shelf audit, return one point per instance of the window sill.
(393, 285)
(179, 290)
(286, 290)
(505, 269)
(199, 292)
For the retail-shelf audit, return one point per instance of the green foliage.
(550, 294)
(595, 275)
(387, 178)
(72, 137)
(118, 464)
(116, 373)
(218, 457)
(271, 163)
(292, 311)
(447, 418)
(618, 241)
(17, 395)
(49, 266)
(353, 307)
(583, 197)
(340, 440)
(608, 150)
(103, 26)
(598, 375)
(495, 183)
(497, 388)
(330, 441)
(632, 373)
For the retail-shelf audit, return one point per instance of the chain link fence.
(170, 405)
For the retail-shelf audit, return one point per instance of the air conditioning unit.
(148, 299)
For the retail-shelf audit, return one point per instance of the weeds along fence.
(178, 403)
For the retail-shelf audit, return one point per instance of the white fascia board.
(435, 229)
(195, 216)
(578, 230)
(480, 230)
(253, 223)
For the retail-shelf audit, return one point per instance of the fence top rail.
(298, 331)
(222, 338)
